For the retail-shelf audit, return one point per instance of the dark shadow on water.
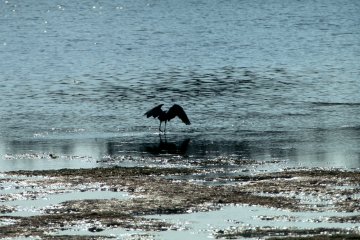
(314, 147)
(167, 147)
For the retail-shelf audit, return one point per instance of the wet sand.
(154, 191)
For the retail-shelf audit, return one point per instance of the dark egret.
(165, 116)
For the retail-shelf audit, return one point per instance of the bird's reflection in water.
(165, 147)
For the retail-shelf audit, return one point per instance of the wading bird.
(165, 116)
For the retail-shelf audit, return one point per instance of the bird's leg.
(165, 127)
(160, 127)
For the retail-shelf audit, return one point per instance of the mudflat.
(154, 191)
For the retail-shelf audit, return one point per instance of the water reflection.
(166, 147)
(312, 147)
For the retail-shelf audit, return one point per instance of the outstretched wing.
(155, 112)
(178, 111)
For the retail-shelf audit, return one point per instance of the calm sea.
(258, 79)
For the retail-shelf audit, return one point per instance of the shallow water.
(28, 207)
(203, 225)
(280, 75)
(271, 77)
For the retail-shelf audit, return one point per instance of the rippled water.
(270, 78)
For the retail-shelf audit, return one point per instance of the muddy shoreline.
(164, 191)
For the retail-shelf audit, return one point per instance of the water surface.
(257, 79)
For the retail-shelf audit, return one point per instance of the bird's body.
(165, 116)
